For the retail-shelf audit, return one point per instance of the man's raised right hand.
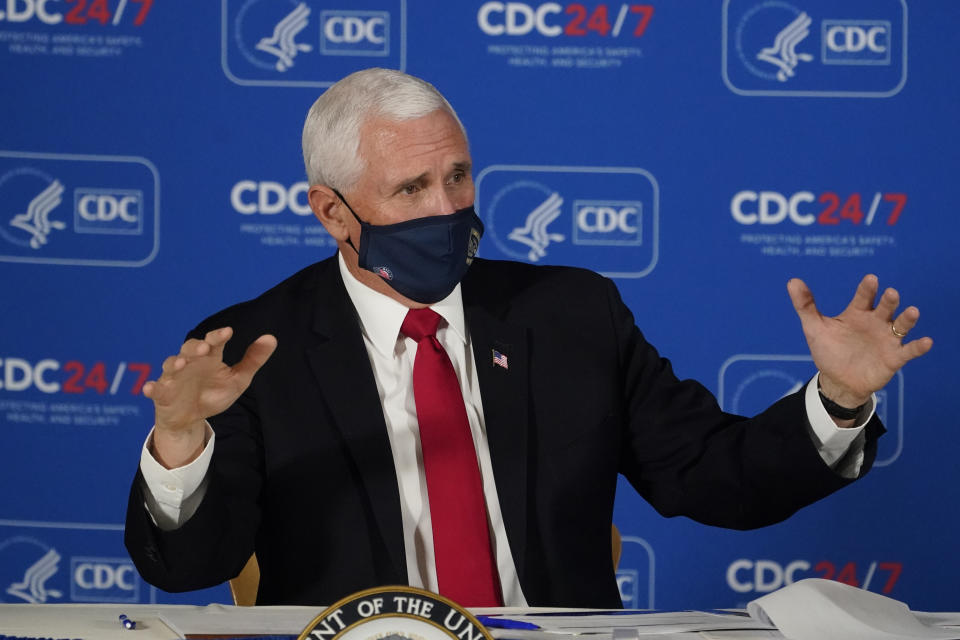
(196, 384)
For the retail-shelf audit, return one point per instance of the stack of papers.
(828, 610)
(627, 624)
(811, 609)
(807, 610)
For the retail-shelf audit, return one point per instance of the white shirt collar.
(381, 316)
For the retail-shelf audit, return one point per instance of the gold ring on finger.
(899, 335)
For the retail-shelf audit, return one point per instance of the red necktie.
(466, 571)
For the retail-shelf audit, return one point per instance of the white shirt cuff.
(840, 448)
(172, 496)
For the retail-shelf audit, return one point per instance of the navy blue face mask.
(422, 259)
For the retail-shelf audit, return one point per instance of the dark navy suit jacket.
(302, 470)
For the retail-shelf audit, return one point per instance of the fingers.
(194, 348)
(255, 356)
(906, 321)
(802, 299)
(212, 344)
(173, 364)
(902, 324)
(217, 339)
(916, 348)
(865, 294)
(156, 389)
(888, 304)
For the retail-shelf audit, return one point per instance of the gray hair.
(331, 133)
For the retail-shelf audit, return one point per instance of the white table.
(93, 621)
(101, 621)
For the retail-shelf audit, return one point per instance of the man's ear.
(329, 210)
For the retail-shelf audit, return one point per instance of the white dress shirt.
(173, 495)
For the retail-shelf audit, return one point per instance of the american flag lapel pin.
(500, 359)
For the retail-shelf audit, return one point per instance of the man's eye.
(410, 189)
(457, 178)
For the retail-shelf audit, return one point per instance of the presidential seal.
(395, 613)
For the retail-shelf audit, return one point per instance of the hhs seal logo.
(309, 43)
(815, 47)
(35, 220)
(29, 571)
(281, 43)
(39, 564)
(749, 383)
(601, 218)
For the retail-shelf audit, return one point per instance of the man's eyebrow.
(400, 184)
(457, 166)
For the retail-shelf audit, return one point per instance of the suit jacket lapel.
(349, 389)
(504, 394)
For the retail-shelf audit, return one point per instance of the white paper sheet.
(816, 609)
(219, 619)
(642, 623)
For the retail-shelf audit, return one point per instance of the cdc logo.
(607, 222)
(751, 383)
(636, 573)
(518, 19)
(40, 563)
(309, 43)
(103, 580)
(26, 10)
(601, 218)
(856, 41)
(348, 33)
(108, 211)
(78, 210)
(807, 48)
(268, 197)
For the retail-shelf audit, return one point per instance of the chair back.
(244, 587)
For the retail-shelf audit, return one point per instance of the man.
(341, 454)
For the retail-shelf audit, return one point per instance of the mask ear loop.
(356, 217)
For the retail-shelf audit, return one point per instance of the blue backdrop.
(150, 174)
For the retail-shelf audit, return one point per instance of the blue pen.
(495, 622)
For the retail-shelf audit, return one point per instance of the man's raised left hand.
(858, 351)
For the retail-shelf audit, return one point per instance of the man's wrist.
(174, 449)
(837, 410)
(839, 394)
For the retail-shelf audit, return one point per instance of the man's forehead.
(410, 146)
(379, 129)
